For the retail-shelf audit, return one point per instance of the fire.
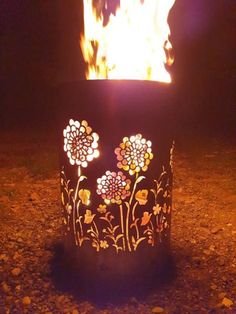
(130, 41)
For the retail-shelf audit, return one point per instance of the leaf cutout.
(139, 179)
(134, 223)
(127, 204)
(119, 236)
(62, 199)
(109, 229)
(154, 192)
(104, 218)
(82, 178)
(115, 228)
(138, 241)
(70, 191)
(159, 190)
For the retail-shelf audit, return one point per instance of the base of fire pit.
(116, 182)
(128, 276)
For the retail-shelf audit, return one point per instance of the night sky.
(40, 50)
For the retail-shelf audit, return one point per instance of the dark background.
(39, 50)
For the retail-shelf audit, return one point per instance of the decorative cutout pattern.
(134, 154)
(127, 216)
(80, 143)
(113, 187)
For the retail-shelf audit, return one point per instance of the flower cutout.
(134, 154)
(141, 197)
(104, 244)
(84, 195)
(113, 187)
(146, 218)
(156, 209)
(80, 143)
(102, 208)
(88, 217)
(166, 209)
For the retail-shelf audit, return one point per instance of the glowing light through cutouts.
(80, 143)
(119, 213)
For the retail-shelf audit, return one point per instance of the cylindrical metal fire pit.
(116, 181)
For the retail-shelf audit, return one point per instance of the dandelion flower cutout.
(113, 187)
(80, 143)
(134, 154)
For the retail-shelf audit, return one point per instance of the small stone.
(18, 287)
(221, 295)
(213, 286)
(75, 311)
(221, 261)
(3, 258)
(204, 225)
(5, 287)
(227, 302)
(215, 230)
(16, 256)
(157, 309)
(61, 298)
(26, 300)
(16, 271)
(34, 197)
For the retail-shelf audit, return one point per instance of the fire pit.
(116, 176)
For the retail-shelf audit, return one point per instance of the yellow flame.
(132, 44)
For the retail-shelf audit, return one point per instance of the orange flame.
(130, 43)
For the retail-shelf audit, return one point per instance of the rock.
(157, 309)
(16, 271)
(207, 252)
(34, 197)
(18, 287)
(213, 286)
(221, 295)
(5, 287)
(3, 257)
(212, 248)
(16, 256)
(221, 261)
(216, 230)
(227, 302)
(204, 225)
(26, 300)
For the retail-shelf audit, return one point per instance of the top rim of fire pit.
(125, 84)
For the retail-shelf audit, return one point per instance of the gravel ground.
(203, 232)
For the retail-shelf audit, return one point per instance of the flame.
(130, 42)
